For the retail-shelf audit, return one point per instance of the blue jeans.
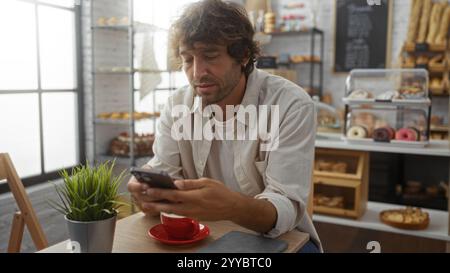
(309, 247)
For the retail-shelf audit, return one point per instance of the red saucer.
(159, 233)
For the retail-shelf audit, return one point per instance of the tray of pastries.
(126, 115)
(409, 218)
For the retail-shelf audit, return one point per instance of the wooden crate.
(351, 187)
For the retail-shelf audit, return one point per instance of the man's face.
(211, 71)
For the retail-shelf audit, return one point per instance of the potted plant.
(89, 202)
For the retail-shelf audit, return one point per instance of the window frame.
(79, 91)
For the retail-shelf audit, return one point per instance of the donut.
(357, 132)
(383, 134)
(407, 134)
(360, 94)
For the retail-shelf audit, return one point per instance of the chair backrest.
(26, 215)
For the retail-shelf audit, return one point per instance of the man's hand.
(210, 200)
(138, 192)
(203, 199)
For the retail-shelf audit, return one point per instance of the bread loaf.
(416, 9)
(435, 20)
(424, 19)
(444, 25)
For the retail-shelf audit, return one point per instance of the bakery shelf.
(440, 128)
(335, 211)
(394, 102)
(127, 71)
(121, 121)
(335, 182)
(136, 27)
(438, 228)
(119, 37)
(139, 161)
(398, 143)
(293, 33)
(334, 141)
(423, 48)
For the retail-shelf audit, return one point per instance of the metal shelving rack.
(316, 90)
(129, 70)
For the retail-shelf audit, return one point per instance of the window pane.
(19, 127)
(57, 48)
(60, 130)
(18, 59)
(62, 3)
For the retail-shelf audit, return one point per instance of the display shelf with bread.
(341, 182)
(387, 107)
(123, 69)
(312, 59)
(428, 27)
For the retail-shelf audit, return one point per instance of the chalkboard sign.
(362, 34)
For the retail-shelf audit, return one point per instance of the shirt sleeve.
(288, 175)
(165, 148)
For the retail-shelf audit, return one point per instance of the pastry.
(432, 191)
(435, 20)
(340, 167)
(424, 18)
(436, 120)
(409, 218)
(407, 134)
(324, 166)
(112, 21)
(357, 132)
(416, 9)
(411, 92)
(437, 63)
(422, 60)
(104, 115)
(409, 62)
(360, 94)
(383, 134)
(444, 25)
(389, 95)
(366, 120)
(436, 85)
(101, 21)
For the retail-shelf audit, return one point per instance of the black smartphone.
(153, 179)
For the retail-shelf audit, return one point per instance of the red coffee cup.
(179, 227)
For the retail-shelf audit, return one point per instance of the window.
(39, 88)
(159, 14)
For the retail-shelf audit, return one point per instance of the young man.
(261, 187)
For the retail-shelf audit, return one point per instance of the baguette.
(444, 25)
(424, 20)
(416, 8)
(436, 14)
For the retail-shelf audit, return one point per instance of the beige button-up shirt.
(281, 175)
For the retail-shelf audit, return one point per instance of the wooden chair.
(26, 214)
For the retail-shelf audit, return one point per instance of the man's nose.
(200, 68)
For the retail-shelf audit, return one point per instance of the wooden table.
(131, 236)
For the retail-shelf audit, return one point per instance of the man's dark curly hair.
(215, 22)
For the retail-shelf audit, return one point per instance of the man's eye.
(187, 61)
(210, 57)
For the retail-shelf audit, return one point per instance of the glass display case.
(387, 107)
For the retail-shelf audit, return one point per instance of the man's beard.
(225, 88)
